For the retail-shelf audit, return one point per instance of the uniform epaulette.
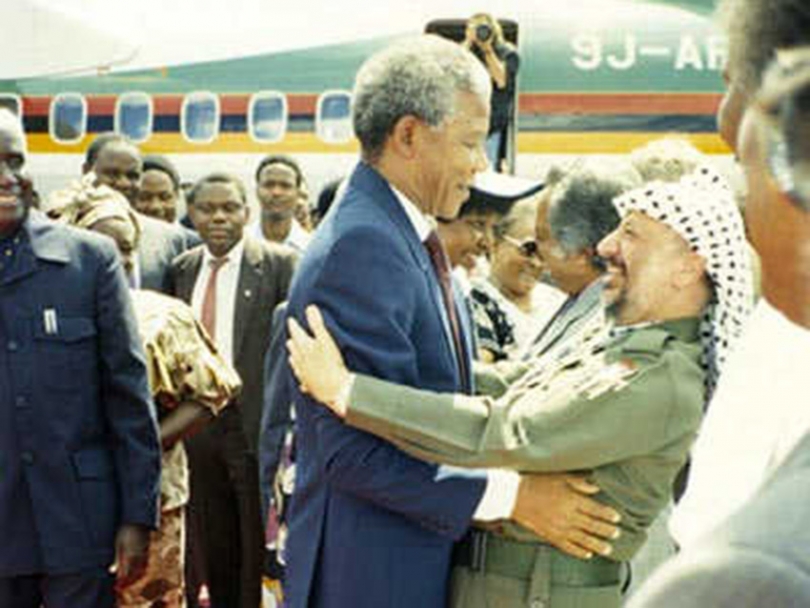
(651, 340)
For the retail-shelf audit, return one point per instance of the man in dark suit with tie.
(233, 283)
(79, 448)
(369, 525)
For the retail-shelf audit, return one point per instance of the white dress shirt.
(227, 283)
(499, 498)
(298, 238)
(758, 414)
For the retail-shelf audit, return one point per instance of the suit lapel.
(367, 179)
(466, 328)
(187, 275)
(247, 292)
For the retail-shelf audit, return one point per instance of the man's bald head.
(119, 166)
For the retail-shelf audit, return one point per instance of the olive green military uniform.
(622, 403)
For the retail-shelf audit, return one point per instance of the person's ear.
(405, 139)
(691, 270)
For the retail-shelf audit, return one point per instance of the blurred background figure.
(470, 236)
(511, 304)
(302, 212)
(574, 214)
(115, 162)
(485, 39)
(159, 194)
(325, 199)
(279, 181)
(667, 159)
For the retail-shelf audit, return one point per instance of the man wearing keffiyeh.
(189, 381)
(622, 402)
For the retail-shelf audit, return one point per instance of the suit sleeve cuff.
(500, 495)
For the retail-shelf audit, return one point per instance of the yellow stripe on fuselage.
(591, 142)
(540, 142)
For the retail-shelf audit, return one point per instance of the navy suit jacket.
(79, 448)
(757, 557)
(369, 525)
(276, 407)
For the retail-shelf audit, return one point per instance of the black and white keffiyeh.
(701, 209)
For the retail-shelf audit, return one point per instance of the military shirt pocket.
(68, 352)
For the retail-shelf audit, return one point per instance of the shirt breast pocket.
(67, 353)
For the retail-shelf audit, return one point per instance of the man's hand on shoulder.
(558, 508)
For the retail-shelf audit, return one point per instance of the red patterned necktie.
(442, 267)
(209, 304)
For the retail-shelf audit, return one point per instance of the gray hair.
(667, 159)
(756, 29)
(416, 77)
(784, 99)
(581, 211)
(9, 121)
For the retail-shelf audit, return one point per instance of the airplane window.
(199, 117)
(68, 123)
(267, 116)
(133, 116)
(11, 102)
(333, 118)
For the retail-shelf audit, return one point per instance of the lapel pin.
(248, 293)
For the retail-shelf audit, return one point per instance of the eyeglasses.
(527, 248)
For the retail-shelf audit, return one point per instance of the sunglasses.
(527, 248)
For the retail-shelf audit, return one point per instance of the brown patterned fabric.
(162, 586)
(183, 365)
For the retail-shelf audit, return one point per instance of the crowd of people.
(438, 385)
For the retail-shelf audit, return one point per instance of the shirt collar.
(298, 238)
(685, 329)
(422, 224)
(234, 255)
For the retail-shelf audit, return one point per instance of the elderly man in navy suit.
(79, 448)
(368, 524)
